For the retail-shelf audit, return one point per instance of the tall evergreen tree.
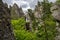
(31, 15)
(58, 1)
(44, 16)
(47, 18)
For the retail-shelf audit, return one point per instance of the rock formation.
(55, 9)
(56, 12)
(6, 32)
(16, 12)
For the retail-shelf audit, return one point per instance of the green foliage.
(19, 31)
(18, 24)
(45, 32)
(58, 2)
(24, 35)
(49, 23)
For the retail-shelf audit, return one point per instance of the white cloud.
(25, 4)
(52, 0)
(29, 1)
(21, 3)
(9, 2)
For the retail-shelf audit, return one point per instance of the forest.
(42, 23)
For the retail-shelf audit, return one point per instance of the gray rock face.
(6, 32)
(56, 12)
(16, 12)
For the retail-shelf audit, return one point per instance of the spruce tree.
(48, 20)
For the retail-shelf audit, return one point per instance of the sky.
(25, 4)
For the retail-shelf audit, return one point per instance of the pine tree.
(31, 15)
(57, 1)
(47, 18)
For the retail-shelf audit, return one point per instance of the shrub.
(20, 32)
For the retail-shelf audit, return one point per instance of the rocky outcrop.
(6, 32)
(38, 11)
(16, 12)
(56, 14)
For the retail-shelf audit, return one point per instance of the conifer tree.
(47, 18)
